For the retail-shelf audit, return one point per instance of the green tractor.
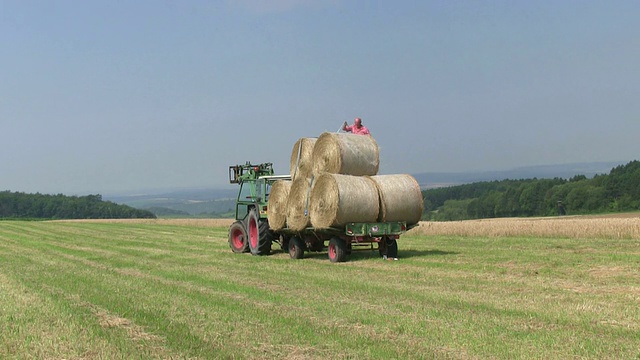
(250, 232)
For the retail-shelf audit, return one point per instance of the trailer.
(342, 242)
(250, 232)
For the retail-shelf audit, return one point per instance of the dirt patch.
(107, 320)
(611, 271)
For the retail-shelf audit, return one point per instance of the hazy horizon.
(108, 97)
(426, 179)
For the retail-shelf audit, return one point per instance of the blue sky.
(118, 96)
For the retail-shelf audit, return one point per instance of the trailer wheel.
(296, 248)
(337, 250)
(238, 238)
(392, 248)
(284, 242)
(258, 234)
(389, 247)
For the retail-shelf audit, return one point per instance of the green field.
(83, 290)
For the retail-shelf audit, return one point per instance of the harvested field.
(172, 289)
(610, 226)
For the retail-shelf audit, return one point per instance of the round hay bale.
(277, 205)
(347, 154)
(297, 204)
(340, 199)
(300, 164)
(400, 198)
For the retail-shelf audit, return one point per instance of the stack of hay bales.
(343, 192)
(335, 182)
(400, 198)
(346, 154)
(277, 204)
(298, 204)
(300, 163)
(338, 199)
(301, 168)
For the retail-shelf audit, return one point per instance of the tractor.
(250, 232)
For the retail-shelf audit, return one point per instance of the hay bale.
(297, 212)
(340, 199)
(400, 198)
(300, 164)
(347, 154)
(277, 205)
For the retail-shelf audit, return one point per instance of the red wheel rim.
(292, 250)
(253, 233)
(237, 238)
(332, 251)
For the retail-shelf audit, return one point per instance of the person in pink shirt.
(356, 128)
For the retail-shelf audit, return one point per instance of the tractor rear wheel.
(296, 248)
(258, 234)
(337, 250)
(238, 238)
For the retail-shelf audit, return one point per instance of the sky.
(122, 96)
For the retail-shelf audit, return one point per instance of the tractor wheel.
(296, 248)
(337, 250)
(238, 238)
(258, 234)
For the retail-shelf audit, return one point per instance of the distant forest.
(614, 192)
(17, 205)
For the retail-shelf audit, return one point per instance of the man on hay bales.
(356, 128)
(359, 129)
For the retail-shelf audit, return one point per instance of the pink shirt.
(362, 130)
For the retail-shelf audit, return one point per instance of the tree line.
(614, 192)
(17, 205)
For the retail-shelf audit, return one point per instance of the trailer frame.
(340, 242)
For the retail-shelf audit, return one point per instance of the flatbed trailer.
(340, 242)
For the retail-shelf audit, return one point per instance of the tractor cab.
(255, 185)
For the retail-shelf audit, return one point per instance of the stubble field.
(158, 289)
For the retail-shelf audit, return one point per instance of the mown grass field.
(174, 290)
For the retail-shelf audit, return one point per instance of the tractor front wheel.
(238, 238)
(258, 234)
(337, 250)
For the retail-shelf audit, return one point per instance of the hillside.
(207, 202)
(617, 191)
(565, 171)
(18, 205)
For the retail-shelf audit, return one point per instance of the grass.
(173, 289)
